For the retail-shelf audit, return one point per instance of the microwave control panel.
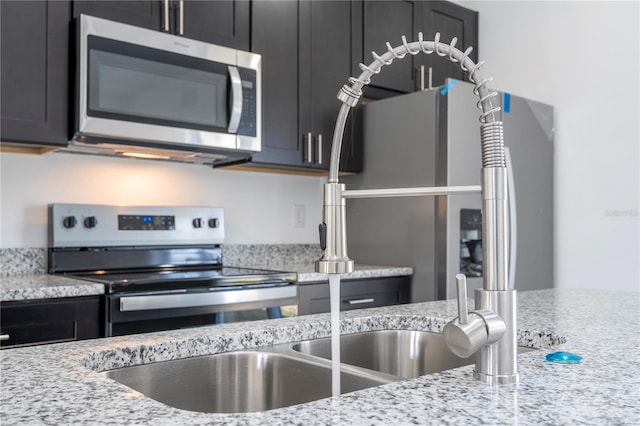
(248, 118)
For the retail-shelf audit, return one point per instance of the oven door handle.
(190, 300)
(236, 99)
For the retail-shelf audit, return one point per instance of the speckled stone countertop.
(43, 286)
(23, 270)
(299, 258)
(307, 274)
(59, 384)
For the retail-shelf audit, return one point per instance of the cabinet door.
(274, 34)
(314, 298)
(223, 22)
(141, 13)
(50, 321)
(325, 67)
(35, 52)
(307, 56)
(387, 21)
(450, 20)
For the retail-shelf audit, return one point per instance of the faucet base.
(340, 266)
(498, 362)
(497, 380)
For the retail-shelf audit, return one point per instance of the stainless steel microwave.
(150, 94)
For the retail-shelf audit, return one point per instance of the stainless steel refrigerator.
(432, 138)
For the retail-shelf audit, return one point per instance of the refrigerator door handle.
(513, 224)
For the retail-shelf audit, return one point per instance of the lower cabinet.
(314, 298)
(32, 322)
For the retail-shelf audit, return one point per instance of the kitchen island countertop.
(59, 384)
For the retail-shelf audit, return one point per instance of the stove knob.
(197, 222)
(90, 222)
(214, 222)
(69, 222)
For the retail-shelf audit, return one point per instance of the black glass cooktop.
(171, 279)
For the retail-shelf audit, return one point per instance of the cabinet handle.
(320, 148)
(166, 16)
(430, 78)
(421, 77)
(360, 301)
(181, 18)
(4, 337)
(309, 148)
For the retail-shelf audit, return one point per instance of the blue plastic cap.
(564, 357)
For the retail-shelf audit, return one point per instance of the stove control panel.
(92, 225)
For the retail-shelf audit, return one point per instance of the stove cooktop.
(171, 279)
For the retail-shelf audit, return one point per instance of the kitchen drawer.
(50, 321)
(314, 298)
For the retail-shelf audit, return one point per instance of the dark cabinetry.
(314, 298)
(34, 82)
(223, 22)
(450, 20)
(311, 48)
(307, 56)
(50, 321)
(141, 13)
(386, 21)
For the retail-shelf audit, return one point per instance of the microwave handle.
(236, 99)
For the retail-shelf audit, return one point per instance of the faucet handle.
(461, 284)
(471, 330)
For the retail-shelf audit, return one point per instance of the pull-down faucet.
(490, 330)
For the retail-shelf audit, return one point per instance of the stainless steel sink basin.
(237, 382)
(403, 353)
(288, 374)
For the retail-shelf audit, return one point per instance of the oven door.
(156, 311)
(136, 84)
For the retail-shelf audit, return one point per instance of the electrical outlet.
(298, 216)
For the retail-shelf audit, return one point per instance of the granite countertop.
(59, 384)
(43, 286)
(306, 271)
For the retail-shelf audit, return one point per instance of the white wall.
(583, 58)
(258, 206)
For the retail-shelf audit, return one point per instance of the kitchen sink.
(237, 382)
(403, 353)
(291, 373)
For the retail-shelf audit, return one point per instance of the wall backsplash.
(22, 261)
(259, 207)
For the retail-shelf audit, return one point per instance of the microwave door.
(236, 100)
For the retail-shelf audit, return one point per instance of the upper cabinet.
(34, 74)
(309, 49)
(387, 21)
(219, 22)
(307, 56)
(141, 13)
(450, 20)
